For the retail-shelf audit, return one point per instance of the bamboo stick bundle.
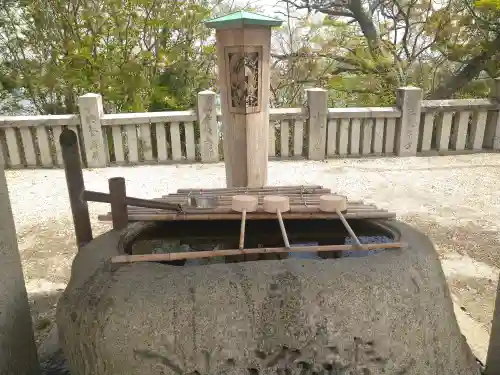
(291, 215)
(246, 190)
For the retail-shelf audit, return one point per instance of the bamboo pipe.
(226, 200)
(227, 210)
(95, 196)
(254, 193)
(293, 215)
(239, 190)
(217, 253)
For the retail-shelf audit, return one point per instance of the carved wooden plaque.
(244, 78)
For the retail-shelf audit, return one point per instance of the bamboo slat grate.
(304, 204)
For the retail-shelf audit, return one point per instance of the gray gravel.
(437, 185)
(413, 184)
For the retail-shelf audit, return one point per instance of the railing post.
(91, 111)
(492, 131)
(317, 102)
(409, 101)
(207, 121)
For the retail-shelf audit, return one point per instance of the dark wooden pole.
(74, 180)
(97, 196)
(493, 358)
(117, 193)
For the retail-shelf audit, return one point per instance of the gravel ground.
(455, 200)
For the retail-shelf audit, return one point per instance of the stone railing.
(412, 127)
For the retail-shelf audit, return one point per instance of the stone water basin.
(380, 312)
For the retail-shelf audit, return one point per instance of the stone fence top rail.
(366, 112)
(116, 119)
(458, 105)
(276, 114)
(45, 120)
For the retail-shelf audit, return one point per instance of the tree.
(380, 45)
(472, 41)
(139, 54)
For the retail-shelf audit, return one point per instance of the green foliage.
(362, 51)
(488, 5)
(139, 54)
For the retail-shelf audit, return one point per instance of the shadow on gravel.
(54, 364)
(52, 360)
(43, 313)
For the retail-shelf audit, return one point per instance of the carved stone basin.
(386, 313)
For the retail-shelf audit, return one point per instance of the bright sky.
(271, 8)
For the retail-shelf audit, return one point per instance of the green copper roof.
(242, 18)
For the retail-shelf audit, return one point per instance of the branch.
(320, 9)
(465, 74)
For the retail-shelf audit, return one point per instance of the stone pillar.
(18, 354)
(207, 120)
(317, 103)
(492, 131)
(409, 102)
(91, 111)
(243, 48)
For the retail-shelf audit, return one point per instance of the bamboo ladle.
(244, 204)
(277, 204)
(338, 204)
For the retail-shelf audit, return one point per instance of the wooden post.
(409, 100)
(317, 102)
(18, 354)
(91, 111)
(207, 120)
(243, 41)
(117, 193)
(493, 359)
(76, 187)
